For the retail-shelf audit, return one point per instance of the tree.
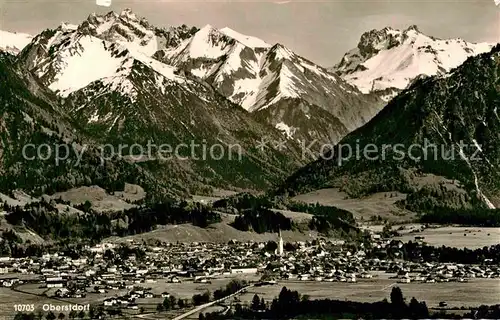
(173, 301)
(399, 308)
(271, 246)
(92, 312)
(99, 312)
(61, 316)
(181, 303)
(19, 316)
(50, 316)
(166, 304)
(73, 314)
(397, 298)
(414, 308)
(418, 310)
(87, 206)
(206, 296)
(160, 308)
(255, 302)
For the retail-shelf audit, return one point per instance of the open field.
(459, 237)
(186, 290)
(102, 201)
(297, 217)
(216, 233)
(32, 294)
(471, 294)
(382, 204)
(9, 298)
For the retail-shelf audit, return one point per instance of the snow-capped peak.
(125, 28)
(413, 27)
(67, 52)
(281, 52)
(390, 59)
(207, 28)
(127, 12)
(13, 42)
(208, 42)
(249, 41)
(68, 26)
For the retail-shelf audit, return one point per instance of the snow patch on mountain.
(233, 62)
(68, 26)
(74, 59)
(208, 42)
(283, 53)
(13, 42)
(82, 64)
(165, 70)
(256, 75)
(248, 41)
(289, 131)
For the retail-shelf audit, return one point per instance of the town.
(140, 278)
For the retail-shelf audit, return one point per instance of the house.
(9, 282)
(110, 302)
(405, 279)
(133, 306)
(55, 282)
(62, 293)
(244, 271)
(304, 277)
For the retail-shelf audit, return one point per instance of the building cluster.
(131, 266)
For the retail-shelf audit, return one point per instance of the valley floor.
(457, 295)
(455, 236)
(470, 294)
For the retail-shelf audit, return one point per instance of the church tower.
(280, 243)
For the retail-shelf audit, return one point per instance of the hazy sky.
(319, 30)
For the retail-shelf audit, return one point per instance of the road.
(207, 305)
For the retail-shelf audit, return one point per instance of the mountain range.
(387, 61)
(454, 123)
(117, 80)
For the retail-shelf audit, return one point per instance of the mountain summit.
(289, 92)
(436, 142)
(386, 61)
(108, 81)
(299, 98)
